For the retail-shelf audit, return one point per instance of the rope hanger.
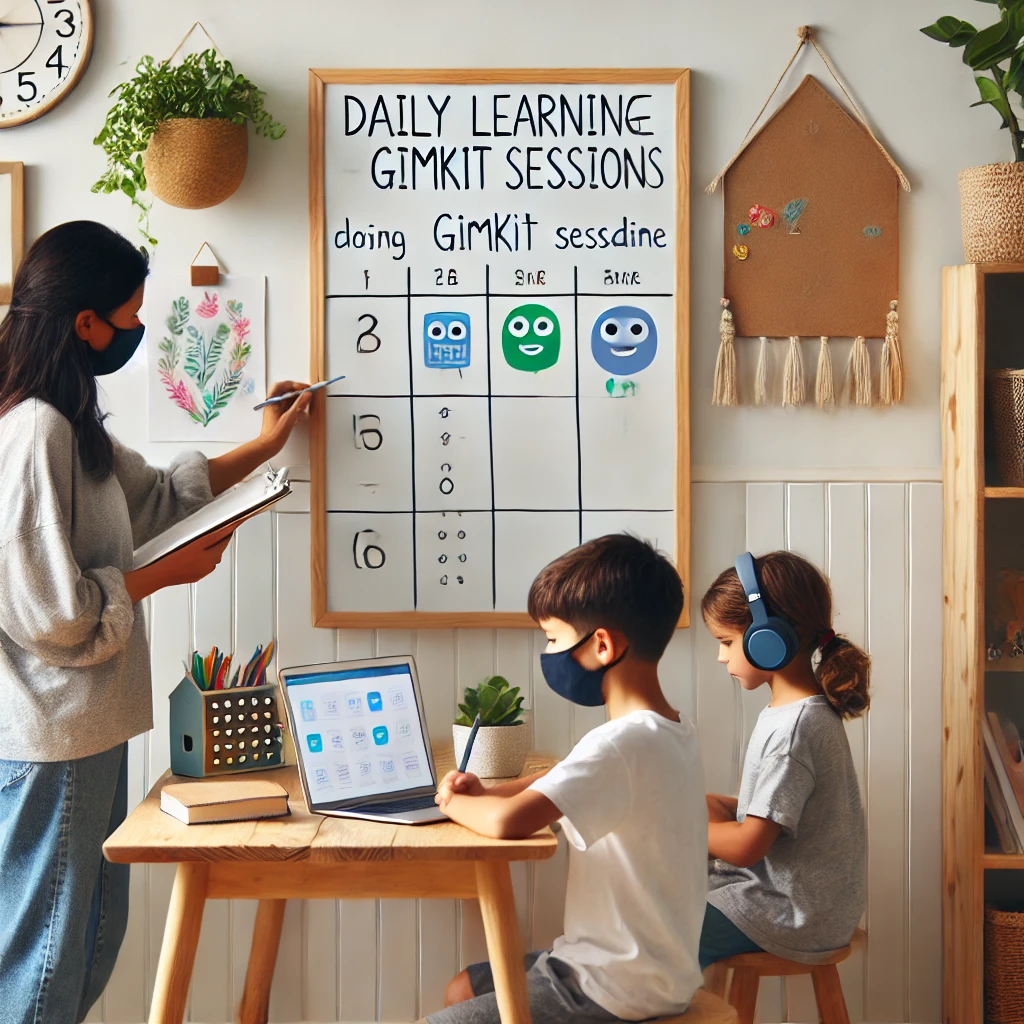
(184, 39)
(805, 35)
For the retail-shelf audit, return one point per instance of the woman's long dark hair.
(73, 267)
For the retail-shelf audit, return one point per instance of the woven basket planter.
(499, 751)
(1004, 966)
(195, 163)
(992, 213)
(1006, 400)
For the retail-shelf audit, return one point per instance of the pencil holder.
(217, 732)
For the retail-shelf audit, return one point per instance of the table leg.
(266, 936)
(498, 909)
(181, 937)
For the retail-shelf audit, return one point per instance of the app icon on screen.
(397, 695)
(359, 741)
(387, 767)
(308, 712)
(314, 742)
(380, 735)
(342, 775)
(337, 741)
(412, 766)
(365, 772)
(354, 704)
(322, 778)
(404, 729)
(330, 708)
(374, 702)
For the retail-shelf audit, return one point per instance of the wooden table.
(307, 856)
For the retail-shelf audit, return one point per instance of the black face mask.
(121, 348)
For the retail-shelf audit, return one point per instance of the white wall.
(880, 541)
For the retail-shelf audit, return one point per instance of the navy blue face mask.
(569, 679)
(121, 348)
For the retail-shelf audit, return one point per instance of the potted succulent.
(502, 742)
(992, 196)
(180, 132)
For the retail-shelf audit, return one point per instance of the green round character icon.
(531, 338)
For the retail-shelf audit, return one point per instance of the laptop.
(361, 740)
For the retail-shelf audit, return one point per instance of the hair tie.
(825, 639)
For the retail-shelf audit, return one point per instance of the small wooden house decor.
(811, 235)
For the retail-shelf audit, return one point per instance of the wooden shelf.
(1004, 492)
(1005, 665)
(1003, 861)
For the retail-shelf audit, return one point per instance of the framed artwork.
(12, 225)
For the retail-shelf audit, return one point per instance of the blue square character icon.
(380, 735)
(374, 702)
(308, 711)
(315, 743)
(446, 341)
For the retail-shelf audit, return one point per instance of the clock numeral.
(68, 18)
(25, 82)
(58, 65)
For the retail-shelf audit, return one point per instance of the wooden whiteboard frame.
(16, 172)
(319, 79)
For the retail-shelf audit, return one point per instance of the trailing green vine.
(202, 85)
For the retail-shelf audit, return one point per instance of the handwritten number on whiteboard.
(368, 437)
(373, 343)
(367, 556)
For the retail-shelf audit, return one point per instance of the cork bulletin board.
(500, 268)
(814, 202)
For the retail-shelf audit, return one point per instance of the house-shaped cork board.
(828, 264)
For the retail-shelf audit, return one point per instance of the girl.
(787, 874)
(74, 663)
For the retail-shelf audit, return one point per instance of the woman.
(74, 663)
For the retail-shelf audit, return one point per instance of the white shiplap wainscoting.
(389, 960)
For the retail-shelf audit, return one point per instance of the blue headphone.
(770, 642)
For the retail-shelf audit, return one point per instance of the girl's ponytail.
(844, 674)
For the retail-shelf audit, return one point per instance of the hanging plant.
(192, 116)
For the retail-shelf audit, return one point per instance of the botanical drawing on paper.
(203, 358)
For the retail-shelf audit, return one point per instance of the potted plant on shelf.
(180, 132)
(992, 196)
(502, 742)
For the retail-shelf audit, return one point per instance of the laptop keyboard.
(397, 806)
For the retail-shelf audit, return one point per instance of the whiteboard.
(499, 266)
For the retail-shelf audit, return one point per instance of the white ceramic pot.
(499, 751)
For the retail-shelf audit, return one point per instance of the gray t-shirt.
(806, 897)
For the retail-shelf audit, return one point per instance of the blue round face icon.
(624, 340)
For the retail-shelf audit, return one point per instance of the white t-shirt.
(632, 797)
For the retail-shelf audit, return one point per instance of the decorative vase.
(194, 163)
(499, 751)
(992, 213)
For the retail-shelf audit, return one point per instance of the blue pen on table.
(469, 743)
(301, 391)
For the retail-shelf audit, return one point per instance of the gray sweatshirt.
(74, 660)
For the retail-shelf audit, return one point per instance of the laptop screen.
(359, 733)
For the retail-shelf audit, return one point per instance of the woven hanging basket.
(195, 163)
(1006, 399)
(1004, 966)
(992, 213)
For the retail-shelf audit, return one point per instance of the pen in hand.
(469, 744)
(295, 394)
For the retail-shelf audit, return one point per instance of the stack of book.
(1004, 780)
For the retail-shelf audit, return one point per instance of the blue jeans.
(64, 908)
(720, 938)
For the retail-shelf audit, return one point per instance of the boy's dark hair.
(619, 582)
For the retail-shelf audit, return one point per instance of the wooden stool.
(749, 968)
(704, 1008)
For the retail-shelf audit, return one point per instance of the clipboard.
(232, 508)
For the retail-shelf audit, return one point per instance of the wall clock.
(44, 48)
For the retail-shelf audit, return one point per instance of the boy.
(630, 796)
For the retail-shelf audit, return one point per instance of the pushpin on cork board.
(204, 270)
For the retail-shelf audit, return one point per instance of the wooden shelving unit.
(982, 304)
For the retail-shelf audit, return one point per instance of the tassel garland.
(725, 390)
(891, 374)
(858, 373)
(761, 377)
(824, 388)
(793, 376)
